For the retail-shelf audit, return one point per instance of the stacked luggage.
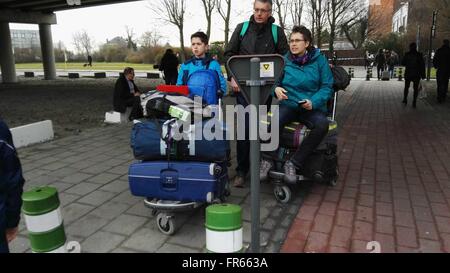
(183, 153)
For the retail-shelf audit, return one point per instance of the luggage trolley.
(170, 187)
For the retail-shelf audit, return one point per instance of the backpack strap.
(275, 33)
(246, 24)
(244, 29)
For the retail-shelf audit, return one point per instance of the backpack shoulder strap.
(275, 33)
(244, 29)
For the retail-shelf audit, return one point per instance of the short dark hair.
(265, 1)
(306, 35)
(413, 47)
(446, 42)
(128, 70)
(202, 36)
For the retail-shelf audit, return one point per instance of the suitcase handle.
(169, 180)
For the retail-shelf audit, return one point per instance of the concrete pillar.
(48, 56)
(6, 55)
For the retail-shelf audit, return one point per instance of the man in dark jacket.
(380, 60)
(11, 187)
(414, 71)
(169, 64)
(126, 94)
(441, 62)
(258, 39)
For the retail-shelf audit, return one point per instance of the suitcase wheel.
(166, 223)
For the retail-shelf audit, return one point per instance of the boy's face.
(198, 47)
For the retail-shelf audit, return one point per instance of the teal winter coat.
(312, 80)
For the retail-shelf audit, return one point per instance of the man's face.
(262, 12)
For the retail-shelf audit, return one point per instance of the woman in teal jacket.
(303, 92)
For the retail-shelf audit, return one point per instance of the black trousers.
(416, 83)
(442, 78)
(243, 146)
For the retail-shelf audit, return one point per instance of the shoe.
(414, 105)
(239, 181)
(290, 173)
(405, 102)
(264, 169)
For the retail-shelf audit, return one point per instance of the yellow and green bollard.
(224, 228)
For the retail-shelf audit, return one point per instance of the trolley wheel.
(333, 181)
(165, 223)
(282, 194)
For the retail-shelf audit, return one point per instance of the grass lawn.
(95, 66)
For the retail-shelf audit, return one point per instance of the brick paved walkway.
(394, 186)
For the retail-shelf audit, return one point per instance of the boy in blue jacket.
(200, 60)
(11, 187)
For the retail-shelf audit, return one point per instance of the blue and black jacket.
(11, 185)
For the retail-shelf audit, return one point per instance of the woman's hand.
(281, 93)
(307, 105)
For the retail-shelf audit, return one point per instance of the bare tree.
(83, 42)
(225, 13)
(151, 39)
(318, 16)
(342, 13)
(281, 9)
(296, 10)
(209, 6)
(130, 38)
(173, 12)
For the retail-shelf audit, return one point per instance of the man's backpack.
(274, 31)
(341, 78)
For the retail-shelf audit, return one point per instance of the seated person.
(127, 94)
(308, 78)
(200, 60)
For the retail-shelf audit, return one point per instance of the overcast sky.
(107, 22)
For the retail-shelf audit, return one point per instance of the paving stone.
(74, 211)
(83, 188)
(145, 240)
(125, 224)
(96, 198)
(86, 225)
(102, 242)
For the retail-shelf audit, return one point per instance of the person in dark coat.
(380, 60)
(258, 39)
(441, 62)
(414, 71)
(127, 94)
(89, 61)
(11, 188)
(169, 64)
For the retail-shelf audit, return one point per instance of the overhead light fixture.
(73, 2)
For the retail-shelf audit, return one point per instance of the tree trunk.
(182, 55)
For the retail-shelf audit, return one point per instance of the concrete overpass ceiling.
(47, 6)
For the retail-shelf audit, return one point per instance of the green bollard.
(224, 228)
(400, 74)
(44, 221)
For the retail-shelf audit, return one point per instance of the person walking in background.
(441, 62)
(380, 60)
(89, 60)
(169, 65)
(391, 62)
(414, 71)
(11, 188)
(256, 36)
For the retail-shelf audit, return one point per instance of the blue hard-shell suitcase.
(178, 181)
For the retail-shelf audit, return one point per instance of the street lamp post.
(432, 35)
